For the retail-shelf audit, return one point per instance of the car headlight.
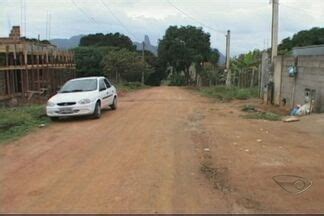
(50, 104)
(84, 101)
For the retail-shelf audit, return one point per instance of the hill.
(70, 43)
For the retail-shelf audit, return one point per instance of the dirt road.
(164, 150)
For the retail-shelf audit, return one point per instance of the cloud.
(248, 20)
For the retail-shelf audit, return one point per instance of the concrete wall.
(310, 75)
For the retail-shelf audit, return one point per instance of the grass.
(130, 86)
(18, 121)
(263, 115)
(256, 114)
(249, 108)
(224, 93)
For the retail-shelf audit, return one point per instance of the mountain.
(75, 40)
(148, 46)
(222, 59)
(70, 43)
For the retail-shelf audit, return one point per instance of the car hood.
(73, 96)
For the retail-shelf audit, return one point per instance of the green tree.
(125, 65)
(182, 46)
(214, 57)
(112, 40)
(154, 78)
(314, 36)
(247, 65)
(88, 60)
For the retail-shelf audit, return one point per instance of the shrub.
(177, 80)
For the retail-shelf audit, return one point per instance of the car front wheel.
(97, 111)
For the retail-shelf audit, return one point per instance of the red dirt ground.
(165, 150)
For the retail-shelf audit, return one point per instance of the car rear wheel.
(97, 111)
(113, 106)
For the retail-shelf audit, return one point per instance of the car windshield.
(79, 86)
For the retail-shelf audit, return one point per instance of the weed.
(224, 93)
(130, 86)
(263, 115)
(249, 108)
(17, 121)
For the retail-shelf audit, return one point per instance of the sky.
(248, 20)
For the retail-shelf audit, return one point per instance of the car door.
(103, 93)
(110, 91)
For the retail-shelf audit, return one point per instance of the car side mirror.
(102, 89)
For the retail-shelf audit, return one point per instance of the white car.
(82, 96)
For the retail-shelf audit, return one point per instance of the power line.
(195, 19)
(118, 20)
(84, 12)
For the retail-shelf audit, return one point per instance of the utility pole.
(274, 32)
(143, 58)
(228, 57)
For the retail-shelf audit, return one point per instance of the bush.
(177, 80)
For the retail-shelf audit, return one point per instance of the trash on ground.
(300, 110)
(291, 119)
(206, 149)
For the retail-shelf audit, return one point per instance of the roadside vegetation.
(130, 86)
(313, 36)
(17, 121)
(264, 116)
(254, 113)
(224, 93)
(115, 56)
